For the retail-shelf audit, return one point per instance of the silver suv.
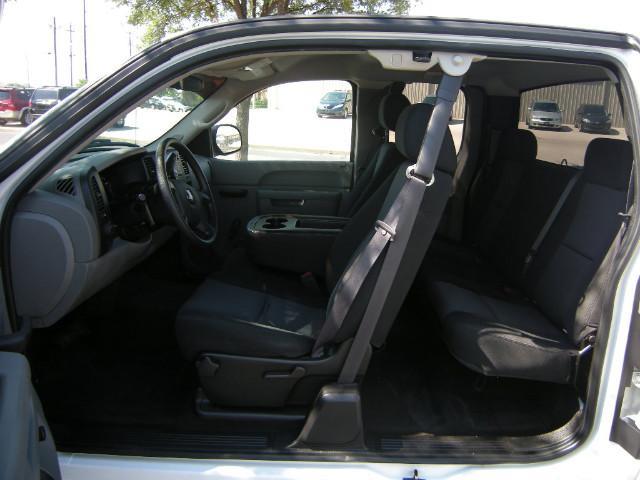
(544, 113)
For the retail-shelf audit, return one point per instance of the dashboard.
(85, 225)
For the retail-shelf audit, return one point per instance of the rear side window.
(419, 92)
(4, 95)
(23, 95)
(45, 94)
(296, 121)
(565, 118)
(65, 92)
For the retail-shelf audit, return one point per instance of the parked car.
(592, 118)
(45, 98)
(335, 104)
(169, 312)
(544, 114)
(14, 104)
(153, 103)
(173, 105)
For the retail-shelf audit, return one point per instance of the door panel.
(245, 189)
(31, 453)
(626, 424)
(308, 202)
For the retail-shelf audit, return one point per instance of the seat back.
(581, 234)
(498, 184)
(409, 134)
(383, 161)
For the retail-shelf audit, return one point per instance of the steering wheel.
(186, 192)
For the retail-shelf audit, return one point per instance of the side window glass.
(565, 118)
(426, 93)
(297, 121)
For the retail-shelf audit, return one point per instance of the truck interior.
(159, 337)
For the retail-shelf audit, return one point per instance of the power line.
(84, 33)
(55, 50)
(70, 30)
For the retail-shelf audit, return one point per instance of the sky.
(26, 39)
(26, 32)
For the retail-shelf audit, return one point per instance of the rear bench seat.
(520, 322)
(507, 211)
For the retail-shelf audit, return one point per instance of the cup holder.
(274, 223)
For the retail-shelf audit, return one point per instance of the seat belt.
(533, 251)
(394, 232)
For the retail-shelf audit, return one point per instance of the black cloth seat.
(225, 317)
(534, 333)
(492, 195)
(499, 337)
(384, 160)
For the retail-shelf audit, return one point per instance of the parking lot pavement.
(568, 143)
(7, 132)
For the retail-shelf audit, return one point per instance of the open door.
(28, 450)
(626, 423)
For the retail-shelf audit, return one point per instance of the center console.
(297, 243)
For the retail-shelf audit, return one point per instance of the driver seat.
(254, 348)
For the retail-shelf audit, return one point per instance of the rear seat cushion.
(501, 338)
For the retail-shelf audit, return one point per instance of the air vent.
(65, 185)
(101, 206)
(150, 166)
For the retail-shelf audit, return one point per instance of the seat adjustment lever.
(297, 372)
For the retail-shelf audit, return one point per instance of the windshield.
(597, 109)
(333, 97)
(545, 107)
(152, 118)
(45, 95)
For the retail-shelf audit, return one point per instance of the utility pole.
(84, 37)
(70, 54)
(130, 53)
(55, 50)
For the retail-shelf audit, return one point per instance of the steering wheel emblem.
(189, 195)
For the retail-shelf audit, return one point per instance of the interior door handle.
(287, 202)
(297, 372)
(234, 192)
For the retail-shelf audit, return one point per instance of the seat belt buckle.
(412, 175)
(309, 281)
(385, 229)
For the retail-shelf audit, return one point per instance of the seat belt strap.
(533, 251)
(406, 205)
(349, 285)
(401, 219)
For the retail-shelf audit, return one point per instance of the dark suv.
(14, 104)
(44, 98)
(335, 104)
(592, 118)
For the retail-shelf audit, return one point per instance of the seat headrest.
(410, 130)
(517, 145)
(607, 162)
(390, 108)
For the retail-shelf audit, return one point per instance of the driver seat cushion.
(225, 318)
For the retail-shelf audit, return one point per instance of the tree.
(162, 17)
